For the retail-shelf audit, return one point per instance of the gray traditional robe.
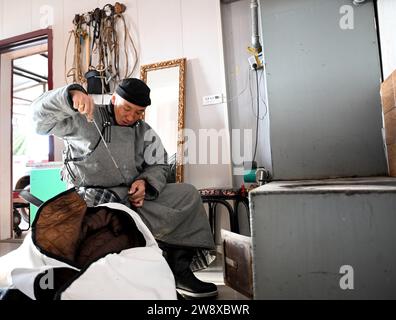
(174, 213)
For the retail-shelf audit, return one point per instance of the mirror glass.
(166, 113)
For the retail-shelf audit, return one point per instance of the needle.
(109, 152)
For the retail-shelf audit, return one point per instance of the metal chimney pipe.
(255, 31)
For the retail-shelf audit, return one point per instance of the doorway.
(25, 74)
(30, 80)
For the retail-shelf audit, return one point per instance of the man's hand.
(83, 103)
(137, 192)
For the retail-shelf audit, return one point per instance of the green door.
(45, 183)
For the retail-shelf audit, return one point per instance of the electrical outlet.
(213, 99)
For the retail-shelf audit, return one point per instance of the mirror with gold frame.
(166, 80)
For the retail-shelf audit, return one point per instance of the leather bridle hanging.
(97, 47)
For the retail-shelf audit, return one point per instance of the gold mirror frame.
(181, 63)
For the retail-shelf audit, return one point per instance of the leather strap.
(27, 196)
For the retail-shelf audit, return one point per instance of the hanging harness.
(97, 47)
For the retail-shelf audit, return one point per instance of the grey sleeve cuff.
(151, 192)
(74, 86)
(155, 178)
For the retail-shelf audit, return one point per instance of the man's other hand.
(137, 192)
(83, 103)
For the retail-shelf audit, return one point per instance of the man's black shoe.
(189, 285)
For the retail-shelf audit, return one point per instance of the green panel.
(45, 184)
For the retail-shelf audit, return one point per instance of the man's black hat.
(134, 91)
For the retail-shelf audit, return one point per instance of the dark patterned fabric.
(224, 192)
(218, 192)
(96, 196)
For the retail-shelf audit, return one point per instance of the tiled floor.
(212, 274)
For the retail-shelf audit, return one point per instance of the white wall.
(387, 27)
(163, 30)
(241, 85)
